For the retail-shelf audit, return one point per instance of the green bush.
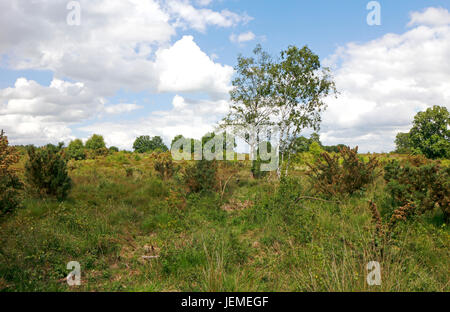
(46, 171)
(164, 165)
(331, 178)
(424, 184)
(201, 176)
(9, 182)
(95, 142)
(75, 150)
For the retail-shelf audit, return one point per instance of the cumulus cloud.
(385, 82)
(185, 68)
(187, 15)
(119, 45)
(244, 37)
(430, 16)
(116, 45)
(39, 114)
(121, 108)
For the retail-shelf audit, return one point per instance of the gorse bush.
(46, 171)
(164, 165)
(201, 176)
(422, 183)
(9, 182)
(330, 177)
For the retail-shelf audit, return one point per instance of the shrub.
(422, 183)
(46, 170)
(75, 150)
(9, 182)
(201, 176)
(331, 178)
(144, 144)
(95, 142)
(113, 149)
(164, 165)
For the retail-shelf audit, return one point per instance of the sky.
(127, 68)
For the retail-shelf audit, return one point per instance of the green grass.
(277, 243)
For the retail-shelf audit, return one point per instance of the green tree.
(75, 150)
(403, 143)
(194, 143)
(315, 149)
(95, 142)
(157, 144)
(229, 143)
(9, 182)
(251, 95)
(430, 134)
(144, 144)
(300, 86)
(46, 170)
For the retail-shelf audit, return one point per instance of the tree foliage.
(430, 134)
(403, 143)
(144, 144)
(287, 92)
(9, 182)
(75, 150)
(46, 171)
(95, 142)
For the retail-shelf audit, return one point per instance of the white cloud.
(430, 16)
(32, 113)
(185, 68)
(244, 37)
(115, 45)
(119, 45)
(188, 16)
(121, 108)
(385, 82)
(203, 2)
(38, 114)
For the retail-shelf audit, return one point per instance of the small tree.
(430, 134)
(403, 143)
(75, 150)
(113, 149)
(46, 171)
(95, 142)
(300, 86)
(144, 144)
(9, 182)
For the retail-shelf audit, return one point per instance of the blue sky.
(58, 82)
